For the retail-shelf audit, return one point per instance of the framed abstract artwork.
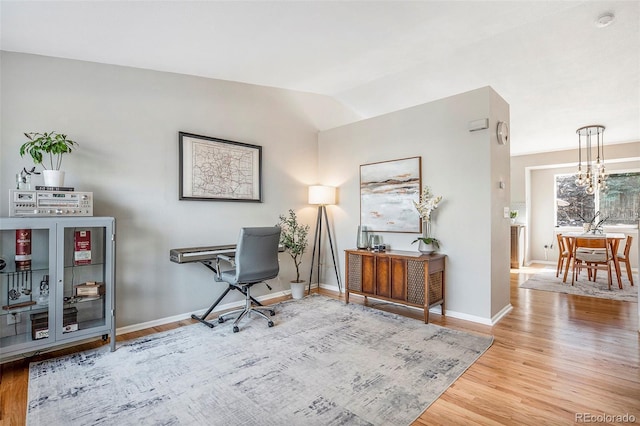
(387, 192)
(213, 169)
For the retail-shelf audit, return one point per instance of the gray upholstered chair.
(256, 260)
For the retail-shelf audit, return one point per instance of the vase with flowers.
(425, 207)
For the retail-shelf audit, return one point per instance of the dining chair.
(592, 254)
(624, 258)
(563, 253)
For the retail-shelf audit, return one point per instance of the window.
(619, 205)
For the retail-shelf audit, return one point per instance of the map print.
(222, 171)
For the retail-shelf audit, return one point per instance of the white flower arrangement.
(428, 203)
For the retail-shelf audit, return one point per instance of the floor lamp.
(322, 195)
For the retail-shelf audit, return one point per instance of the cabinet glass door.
(84, 282)
(26, 269)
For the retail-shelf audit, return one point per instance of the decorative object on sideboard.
(362, 241)
(428, 203)
(594, 178)
(54, 145)
(293, 238)
(322, 196)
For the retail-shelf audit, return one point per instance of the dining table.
(613, 238)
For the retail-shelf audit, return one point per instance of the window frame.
(596, 195)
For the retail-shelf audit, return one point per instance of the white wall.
(127, 121)
(464, 167)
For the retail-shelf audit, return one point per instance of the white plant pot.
(425, 248)
(53, 177)
(297, 289)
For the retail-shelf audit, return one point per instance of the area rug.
(546, 280)
(323, 363)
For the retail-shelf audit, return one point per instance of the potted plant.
(428, 203)
(513, 214)
(52, 144)
(293, 237)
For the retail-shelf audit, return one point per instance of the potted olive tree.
(293, 237)
(46, 149)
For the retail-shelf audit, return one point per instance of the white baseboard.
(467, 317)
(183, 316)
(503, 312)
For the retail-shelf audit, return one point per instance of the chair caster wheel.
(235, 329)
(270, 323)
(220, 320)
(272, 312)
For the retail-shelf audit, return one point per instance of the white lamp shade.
(320, 194)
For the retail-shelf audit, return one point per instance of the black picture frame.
(214, 169)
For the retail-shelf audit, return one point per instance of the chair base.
(248, 309)
(213, 306)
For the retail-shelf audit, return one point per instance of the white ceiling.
(547, 59)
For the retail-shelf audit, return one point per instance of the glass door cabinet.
(57, 282)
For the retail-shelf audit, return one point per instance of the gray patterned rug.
(323, 363)
(546, 280)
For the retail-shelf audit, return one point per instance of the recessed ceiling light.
(605, 20)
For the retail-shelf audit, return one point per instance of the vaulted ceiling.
(549, 60)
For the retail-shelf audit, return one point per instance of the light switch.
(506, 213)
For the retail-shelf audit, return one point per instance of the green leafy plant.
(428, 240)
(513, 214)
(293, 237)
(52, 143)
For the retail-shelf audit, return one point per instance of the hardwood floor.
(556, 359)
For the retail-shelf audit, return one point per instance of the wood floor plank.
(554, 356)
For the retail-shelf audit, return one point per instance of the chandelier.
(595, 177)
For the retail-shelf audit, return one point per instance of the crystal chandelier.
(595, 176)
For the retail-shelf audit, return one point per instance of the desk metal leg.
(206, 314)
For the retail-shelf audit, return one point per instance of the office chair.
(256, 260)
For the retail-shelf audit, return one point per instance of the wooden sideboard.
(409, 278)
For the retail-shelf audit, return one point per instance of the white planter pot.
(425, 248)
(297, 289)
(53, 177)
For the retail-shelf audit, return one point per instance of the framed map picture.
(387, 192)
(214, 169)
